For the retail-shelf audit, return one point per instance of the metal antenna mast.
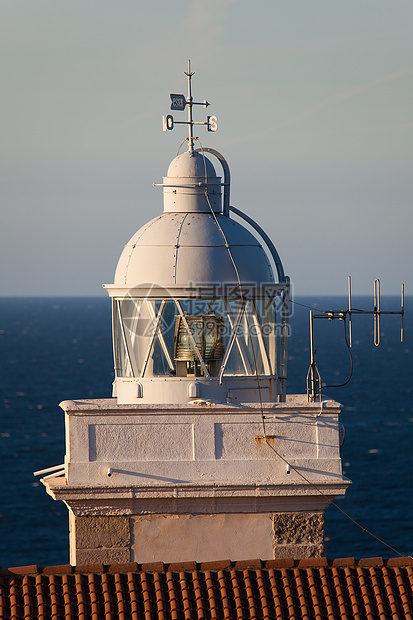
(314, 386)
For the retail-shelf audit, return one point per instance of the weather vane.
(178, 102)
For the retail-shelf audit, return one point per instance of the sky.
(314, 104)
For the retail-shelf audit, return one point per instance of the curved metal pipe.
(276, 257)
(226, 208)
(227, 176)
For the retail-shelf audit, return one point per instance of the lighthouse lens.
(194, 337)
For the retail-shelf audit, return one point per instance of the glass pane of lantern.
(240, 360)
(199, 337)
(126, 313)
(160, 365)
(253, 341)
(137, 349)
(148, 349)
(266, 311)
(152, 338)
(122, 366)
(162, 351)
(130, 318)
(136, 320)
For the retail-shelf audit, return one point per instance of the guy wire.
(330, 501)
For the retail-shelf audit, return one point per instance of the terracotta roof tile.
(24, 570)
(210, 581)
(64, 569)
(404, 587)
(153, 567)
(182, 566)
(313, 562)
(129, 567)
(311, 589)
(343, 562)
(408, 561)
(89, 568)
(280, 563)
(215, 565)
(244, 564)
(371, 562)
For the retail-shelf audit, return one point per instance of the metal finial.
(189, 103)
(178, 102)
(188, 73)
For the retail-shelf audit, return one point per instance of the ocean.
(54, 349)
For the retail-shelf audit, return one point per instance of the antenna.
(178, 102)
(314, 386)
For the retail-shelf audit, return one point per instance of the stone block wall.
(100, 539)
(174, 538)
(299, 535)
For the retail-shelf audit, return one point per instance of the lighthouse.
(201, 454)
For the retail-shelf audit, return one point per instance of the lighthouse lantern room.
(200, 454)
(200, 308)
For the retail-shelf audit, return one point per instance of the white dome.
(191, 165)
(191, 185)
(176, 249)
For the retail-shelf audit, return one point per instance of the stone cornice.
(108, 406)
(195, 498)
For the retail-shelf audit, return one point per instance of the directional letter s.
(212, 123)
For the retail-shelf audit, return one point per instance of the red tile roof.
(311, 588)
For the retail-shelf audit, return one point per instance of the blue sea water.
(59, 349)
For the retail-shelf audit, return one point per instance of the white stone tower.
(200, 454)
